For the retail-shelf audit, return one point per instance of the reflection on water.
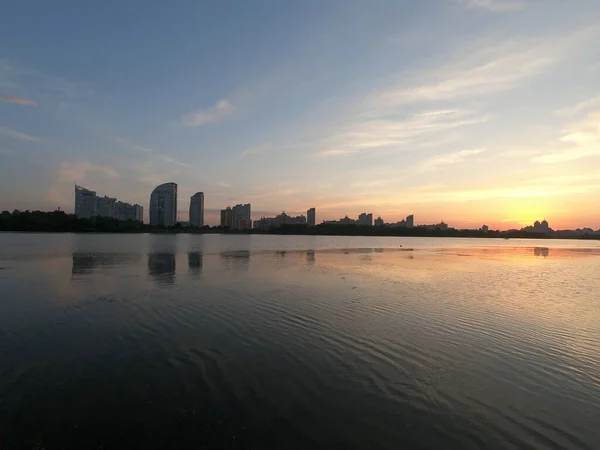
(194, 262)
(310, 256)
(235, 259)
(85, 263)
(383, 345)
(161, 267)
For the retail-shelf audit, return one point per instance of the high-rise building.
(311, 217)
(365, 219)
(410, 221)
(88, 204)
(163, 205)
(379, 221)
(85, 202)
(106, 207)
(242, 217)
(197, 210)
(227, 218)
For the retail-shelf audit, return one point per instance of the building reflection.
(541, 251)
(235, 259)
(86, 263)
(194, 262)
(161, 267)
(310, 257)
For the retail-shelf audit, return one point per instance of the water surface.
(190, 341)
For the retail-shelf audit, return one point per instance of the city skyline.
(470, 112)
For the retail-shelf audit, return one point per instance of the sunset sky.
(467, 111)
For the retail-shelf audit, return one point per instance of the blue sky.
(468, 111)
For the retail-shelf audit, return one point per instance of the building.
(410, 221)
(127, 211)
(163, 205)
(267, 223)
(106, 206)
(242, 217)
(485, 228)
(379, 221)
(85, 202)
(227, 218)
(345, 221)
(365, 219)
(311, 217)
(88, 205)
(197, 210)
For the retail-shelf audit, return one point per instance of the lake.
(298, 342)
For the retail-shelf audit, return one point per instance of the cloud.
(18, 100)
(200, 117)
(258, 149)
(19, 135)
(155, 154)
(488, 69)
(579, 107)
(404, 134)
(583, 140)
(170, 160)
(495, 5)
(447, 159)
(76, 171)
(478, 75)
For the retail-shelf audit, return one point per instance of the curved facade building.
(163, 205)
(197, 210)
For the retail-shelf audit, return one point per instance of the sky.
(468, 111)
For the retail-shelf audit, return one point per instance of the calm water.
(149, 341)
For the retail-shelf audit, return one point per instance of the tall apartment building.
(410, 221)
(311, 217)
(88, 205)
(242, 217)
(85, 202)
(365, 219)
(227, 218)
(197, 210)
(163, 205)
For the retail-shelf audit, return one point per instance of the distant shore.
(60, 222)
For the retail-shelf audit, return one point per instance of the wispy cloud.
(19, 135)
(154, 153)
(447, 159)
(579, 107)
(581, 140)
(17, 100)
(377, 133)
(76, 171)
(495, 5)
(481, 71)
(257, 149)
(170, 160)
(200, 117)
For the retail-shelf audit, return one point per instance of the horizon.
(470, 112)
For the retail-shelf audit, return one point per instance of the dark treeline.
(60, 221)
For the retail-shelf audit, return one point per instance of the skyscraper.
(88, 204)
(85, 202)
(311, 217)
(242, 217)
(227, 218)
(410, 221)
(366, 219)
(163, 205)
(197, 210)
